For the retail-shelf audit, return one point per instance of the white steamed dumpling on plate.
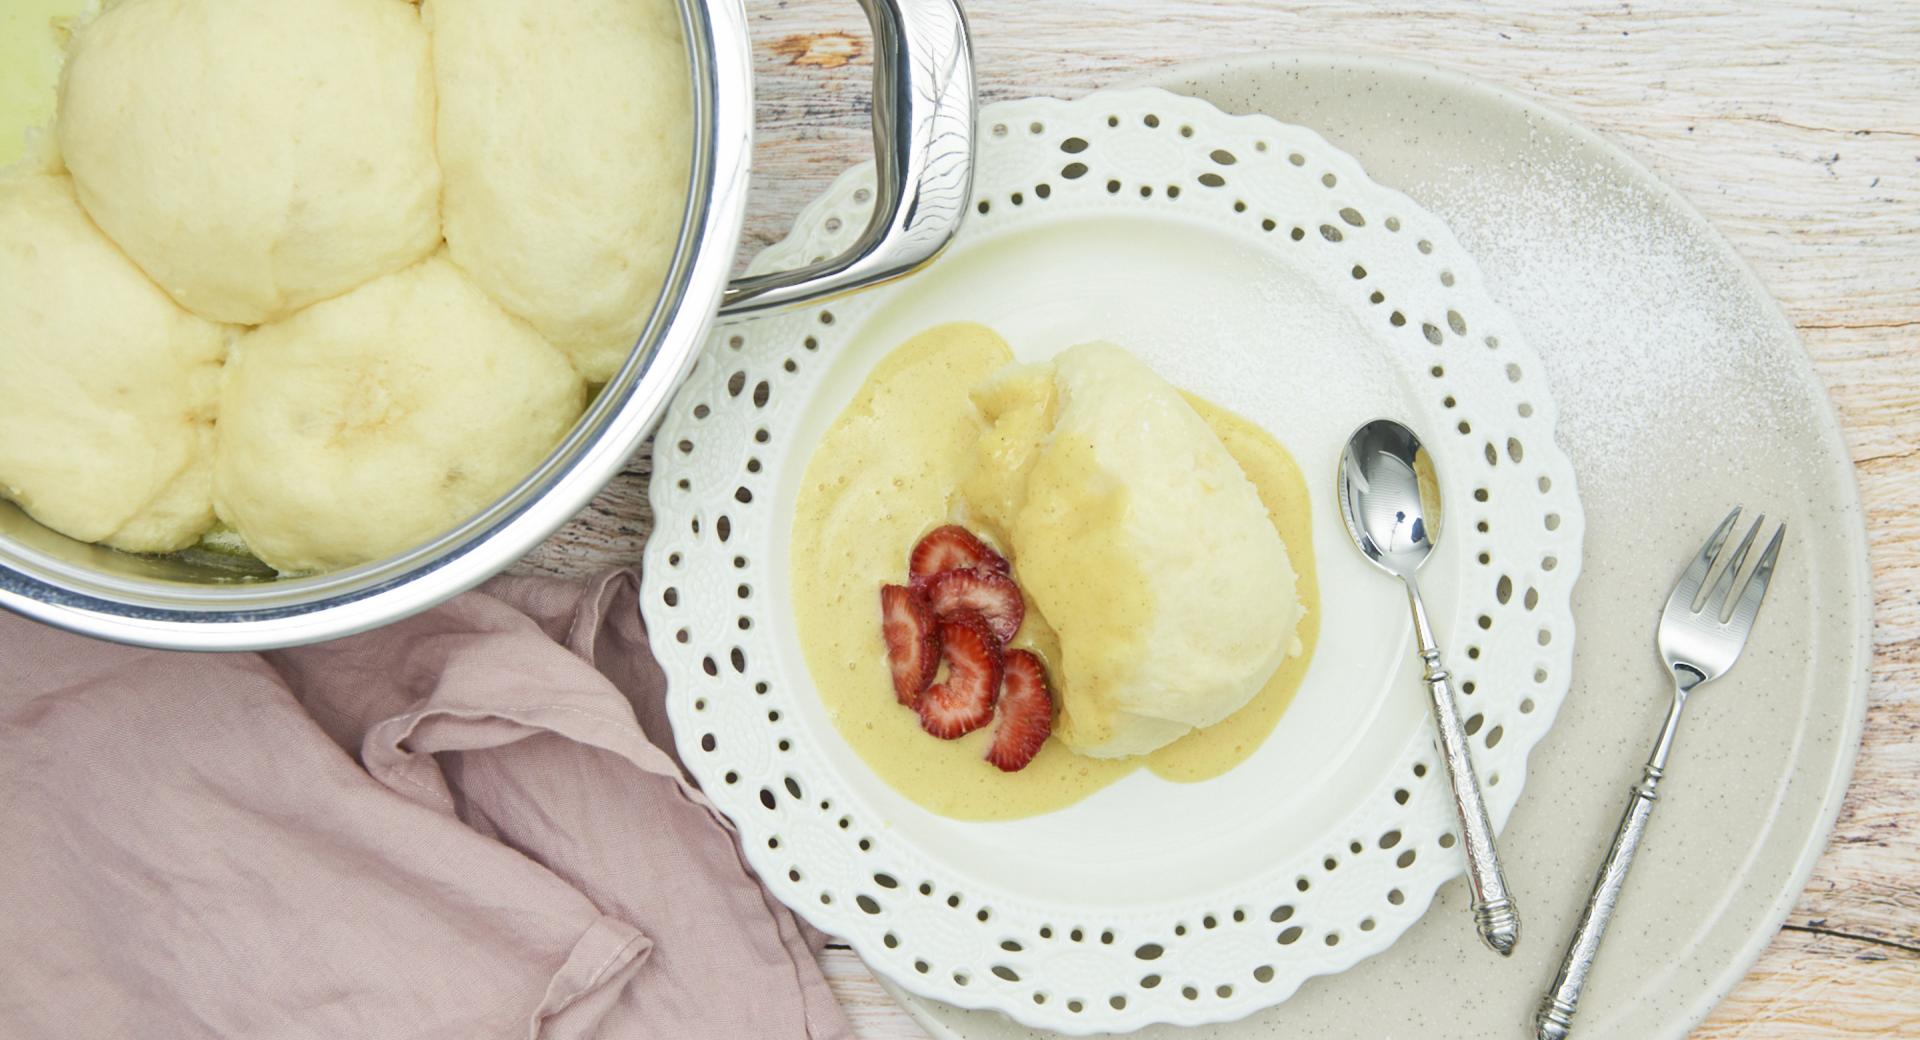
(1151, 556)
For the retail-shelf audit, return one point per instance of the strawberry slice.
(994, 597)
(952, 548)
(963, 702)
(913, 641)
(1026, 713)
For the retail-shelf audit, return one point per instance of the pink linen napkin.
(463, 825)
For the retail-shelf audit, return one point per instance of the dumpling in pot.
(107, 387)
(254, 157)
(367, 424)
(565, 135)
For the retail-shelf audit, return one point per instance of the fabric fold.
(466, 824)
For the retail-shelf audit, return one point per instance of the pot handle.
(923, 115)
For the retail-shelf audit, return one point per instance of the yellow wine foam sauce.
(886, 472)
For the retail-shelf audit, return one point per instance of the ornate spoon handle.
(1493, 910)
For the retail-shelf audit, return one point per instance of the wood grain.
(1794, 127)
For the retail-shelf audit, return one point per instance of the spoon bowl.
(1389, 496)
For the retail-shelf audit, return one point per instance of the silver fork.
(1698, 646)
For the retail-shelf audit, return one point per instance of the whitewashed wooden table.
(1794, 127)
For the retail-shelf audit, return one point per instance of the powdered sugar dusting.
(1646, 330)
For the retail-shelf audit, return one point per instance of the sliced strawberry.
(992, 596)
(1026, 713)
(952, 548)
(963, 702)
(913, 641)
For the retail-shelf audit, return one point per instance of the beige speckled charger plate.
(1683, 390)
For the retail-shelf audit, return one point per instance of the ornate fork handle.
(1555, 1019)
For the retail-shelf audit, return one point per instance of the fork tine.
(1716, 604)
(1748, 606)
(1688, 586)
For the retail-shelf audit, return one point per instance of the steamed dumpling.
(1141, 542)
(107, 387)
(370, 423)
(255, 156)
(565, 135)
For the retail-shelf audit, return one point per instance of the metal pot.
(923, 114)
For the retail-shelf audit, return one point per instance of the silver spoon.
(1390, 500)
